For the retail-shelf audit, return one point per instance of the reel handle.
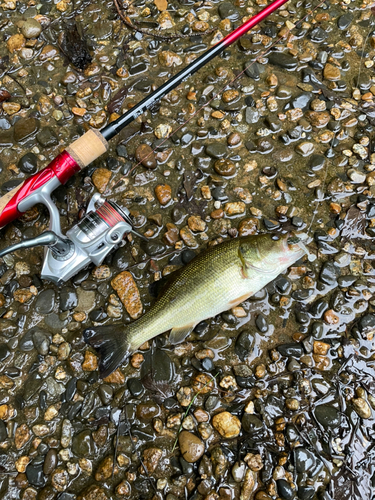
(59, 246)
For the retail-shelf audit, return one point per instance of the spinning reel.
(91, 240)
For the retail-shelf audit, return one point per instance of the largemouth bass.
(216, 280)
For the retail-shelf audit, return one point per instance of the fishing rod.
(94, 143)
(105, 223)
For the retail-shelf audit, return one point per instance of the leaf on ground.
(74, 47)
(114, 105)
(354, 224)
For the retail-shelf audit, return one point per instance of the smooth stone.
(302, 101)
(25, 127)
(216, 150)
(251, 115)
(4, 351)
(53, 322)
(135, 387)
(316, 162)
(328, 416)
(41, 340)
(47, 137)
(274, 407)
(105, 393)
(32, 385)
(28, 163)
(304, 460)
(344, 21)
(86, 300)
(228, 11)
(157, 368)
(253, 70)
(191, 447)
(290, 350)
(50, 462)
(283, 60)
(68, 298)
(31, 28)
(261, 323)
(244, 344)
(35, 475)
(318, 35)
(284, 489)
(45, 302)
(329, 273)
(4, 123)
(83, 445)
(306, 492)
(251, 423)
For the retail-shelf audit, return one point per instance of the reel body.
(91, 240)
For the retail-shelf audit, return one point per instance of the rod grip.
(88, 148)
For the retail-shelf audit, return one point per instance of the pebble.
(144, 154)
(45, 302)
(163, 193)
(28, 163)
(283, 60)
(128, 293)
(362, 408)
(225, 167)
(50, 462)
(331, 72)
(226, 424)
(100, 179)
(31, 28)
(192, 448)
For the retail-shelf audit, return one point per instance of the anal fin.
(179, 334)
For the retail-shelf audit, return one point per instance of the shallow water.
(291, 135)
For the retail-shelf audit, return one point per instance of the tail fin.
(111, 344)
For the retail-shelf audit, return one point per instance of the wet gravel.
(273, 399)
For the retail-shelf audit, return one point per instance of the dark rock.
(187, 256)
(47, 137)
(45, 302)
(253, 70)
(344, 21)
(318, 35)
(24, 128)
(284, 489)
(153, 247)
(28, 163)
(41, 340)
(3, 431)
(302, 101)
(216, 150)
(291, 350)
(316, 162)
(135, 387)
(283, 60)
(83, 445)
(105, 393)
(306, 492)
(261, 323)
(329, 273)
(228, 11)
(244, 344)
(68, 298)
(251, 423)
(4, 351)
(35, 475)
(328, 416)
(304, 460)
(274, 407)
(50, 462)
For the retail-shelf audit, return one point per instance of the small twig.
(188, 408)
(126, 20)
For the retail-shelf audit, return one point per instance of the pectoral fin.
(177, 335)
(244, 267)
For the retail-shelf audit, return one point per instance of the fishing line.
(215, 95)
